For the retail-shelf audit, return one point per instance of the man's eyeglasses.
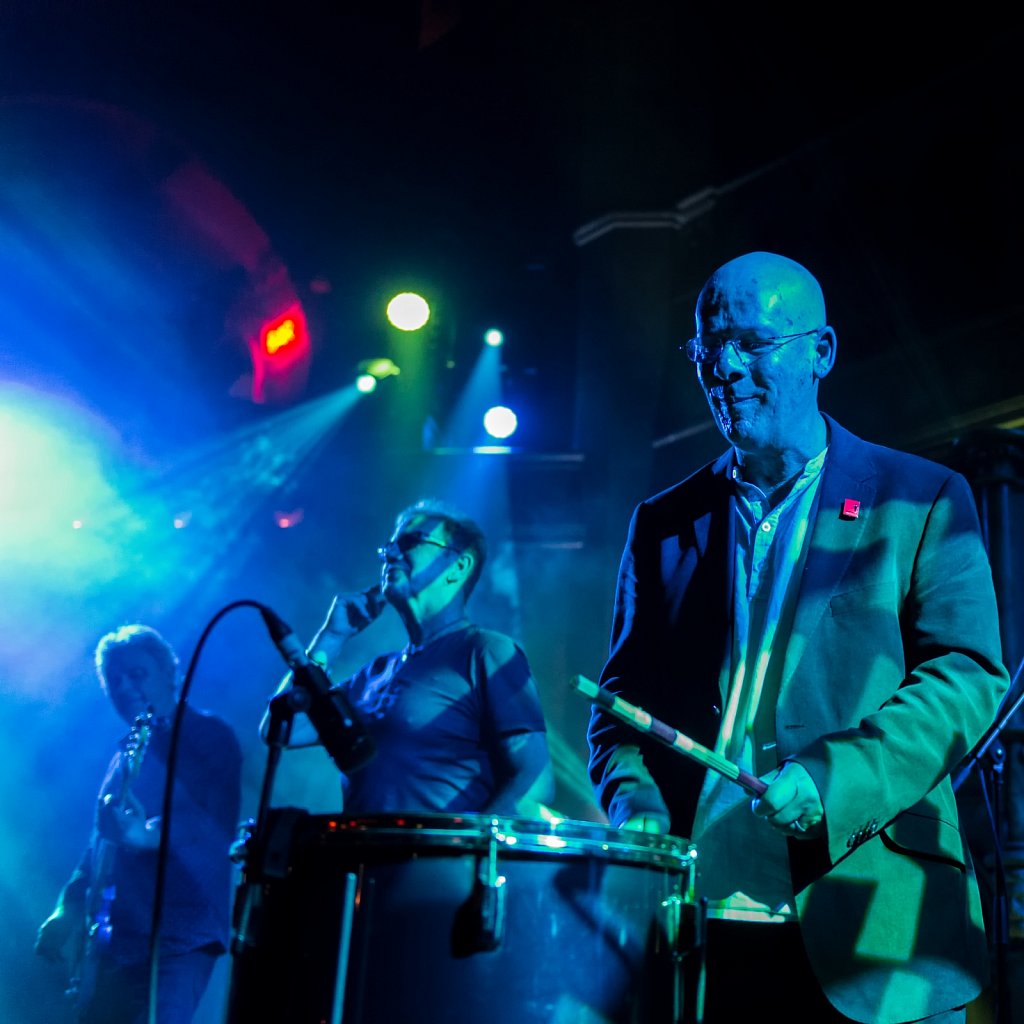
(747, 348)
(405, 542)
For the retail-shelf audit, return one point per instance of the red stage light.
(281, 355)
(287, 331)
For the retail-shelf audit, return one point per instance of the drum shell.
(588, 929)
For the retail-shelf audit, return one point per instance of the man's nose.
(726, 364)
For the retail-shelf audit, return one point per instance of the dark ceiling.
(461, 145)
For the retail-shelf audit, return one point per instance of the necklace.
(410, 648)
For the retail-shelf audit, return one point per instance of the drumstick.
(640, 719)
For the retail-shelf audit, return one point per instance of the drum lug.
(492, 917)
(685, 924)
(480, 922)
(491, 895)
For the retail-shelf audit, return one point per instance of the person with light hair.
(102, 923)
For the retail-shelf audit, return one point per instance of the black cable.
(165, 814)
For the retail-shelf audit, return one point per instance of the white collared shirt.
(742, 863)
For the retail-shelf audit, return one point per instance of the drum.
(460, 919)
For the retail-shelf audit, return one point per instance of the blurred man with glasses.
(455, 715)
(820, 611)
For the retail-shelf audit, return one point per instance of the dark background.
(570, 172)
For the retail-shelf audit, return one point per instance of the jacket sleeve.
(902, 753)
(622, 783)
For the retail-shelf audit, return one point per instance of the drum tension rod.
(491, 896)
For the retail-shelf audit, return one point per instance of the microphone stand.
(279, 731)
(264, 844)
(994, 756)
(263, 855)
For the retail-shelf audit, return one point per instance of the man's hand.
(55, 932)
(646, 823)
(351, 613)
(791, 803)
(128, 825)
(529, 784)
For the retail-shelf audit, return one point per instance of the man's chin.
(736, 430)
(395, 587)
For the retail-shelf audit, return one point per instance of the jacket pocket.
(925, 836)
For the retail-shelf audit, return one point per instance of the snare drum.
(460, 919)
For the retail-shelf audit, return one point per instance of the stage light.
(281, 353)
(494, 337)
(379, 368)
(365, 383)
(277, 337)
(500, 421)
(285, 332)
(408, 311)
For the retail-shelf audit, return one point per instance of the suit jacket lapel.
(716, 539)
(702, 524)
(847, 474)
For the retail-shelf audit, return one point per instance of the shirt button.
(767, 527)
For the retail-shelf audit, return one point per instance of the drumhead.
(559, 836)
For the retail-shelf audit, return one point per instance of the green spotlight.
(379, 367)
(494, 337)
(408, 311)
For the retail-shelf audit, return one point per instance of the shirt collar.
(811, 469)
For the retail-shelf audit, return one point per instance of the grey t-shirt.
(436, 715)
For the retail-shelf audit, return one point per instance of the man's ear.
(461, 569)
(825, 353)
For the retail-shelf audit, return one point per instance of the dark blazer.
(892, 673)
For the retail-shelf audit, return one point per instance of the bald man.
(820, 611)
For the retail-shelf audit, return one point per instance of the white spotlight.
(408, 311)
(500, 421)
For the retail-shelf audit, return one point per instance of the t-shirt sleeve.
(508, 690)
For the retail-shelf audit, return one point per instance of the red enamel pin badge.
(851, 509)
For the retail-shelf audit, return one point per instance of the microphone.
(337, 723)
(376, 599)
